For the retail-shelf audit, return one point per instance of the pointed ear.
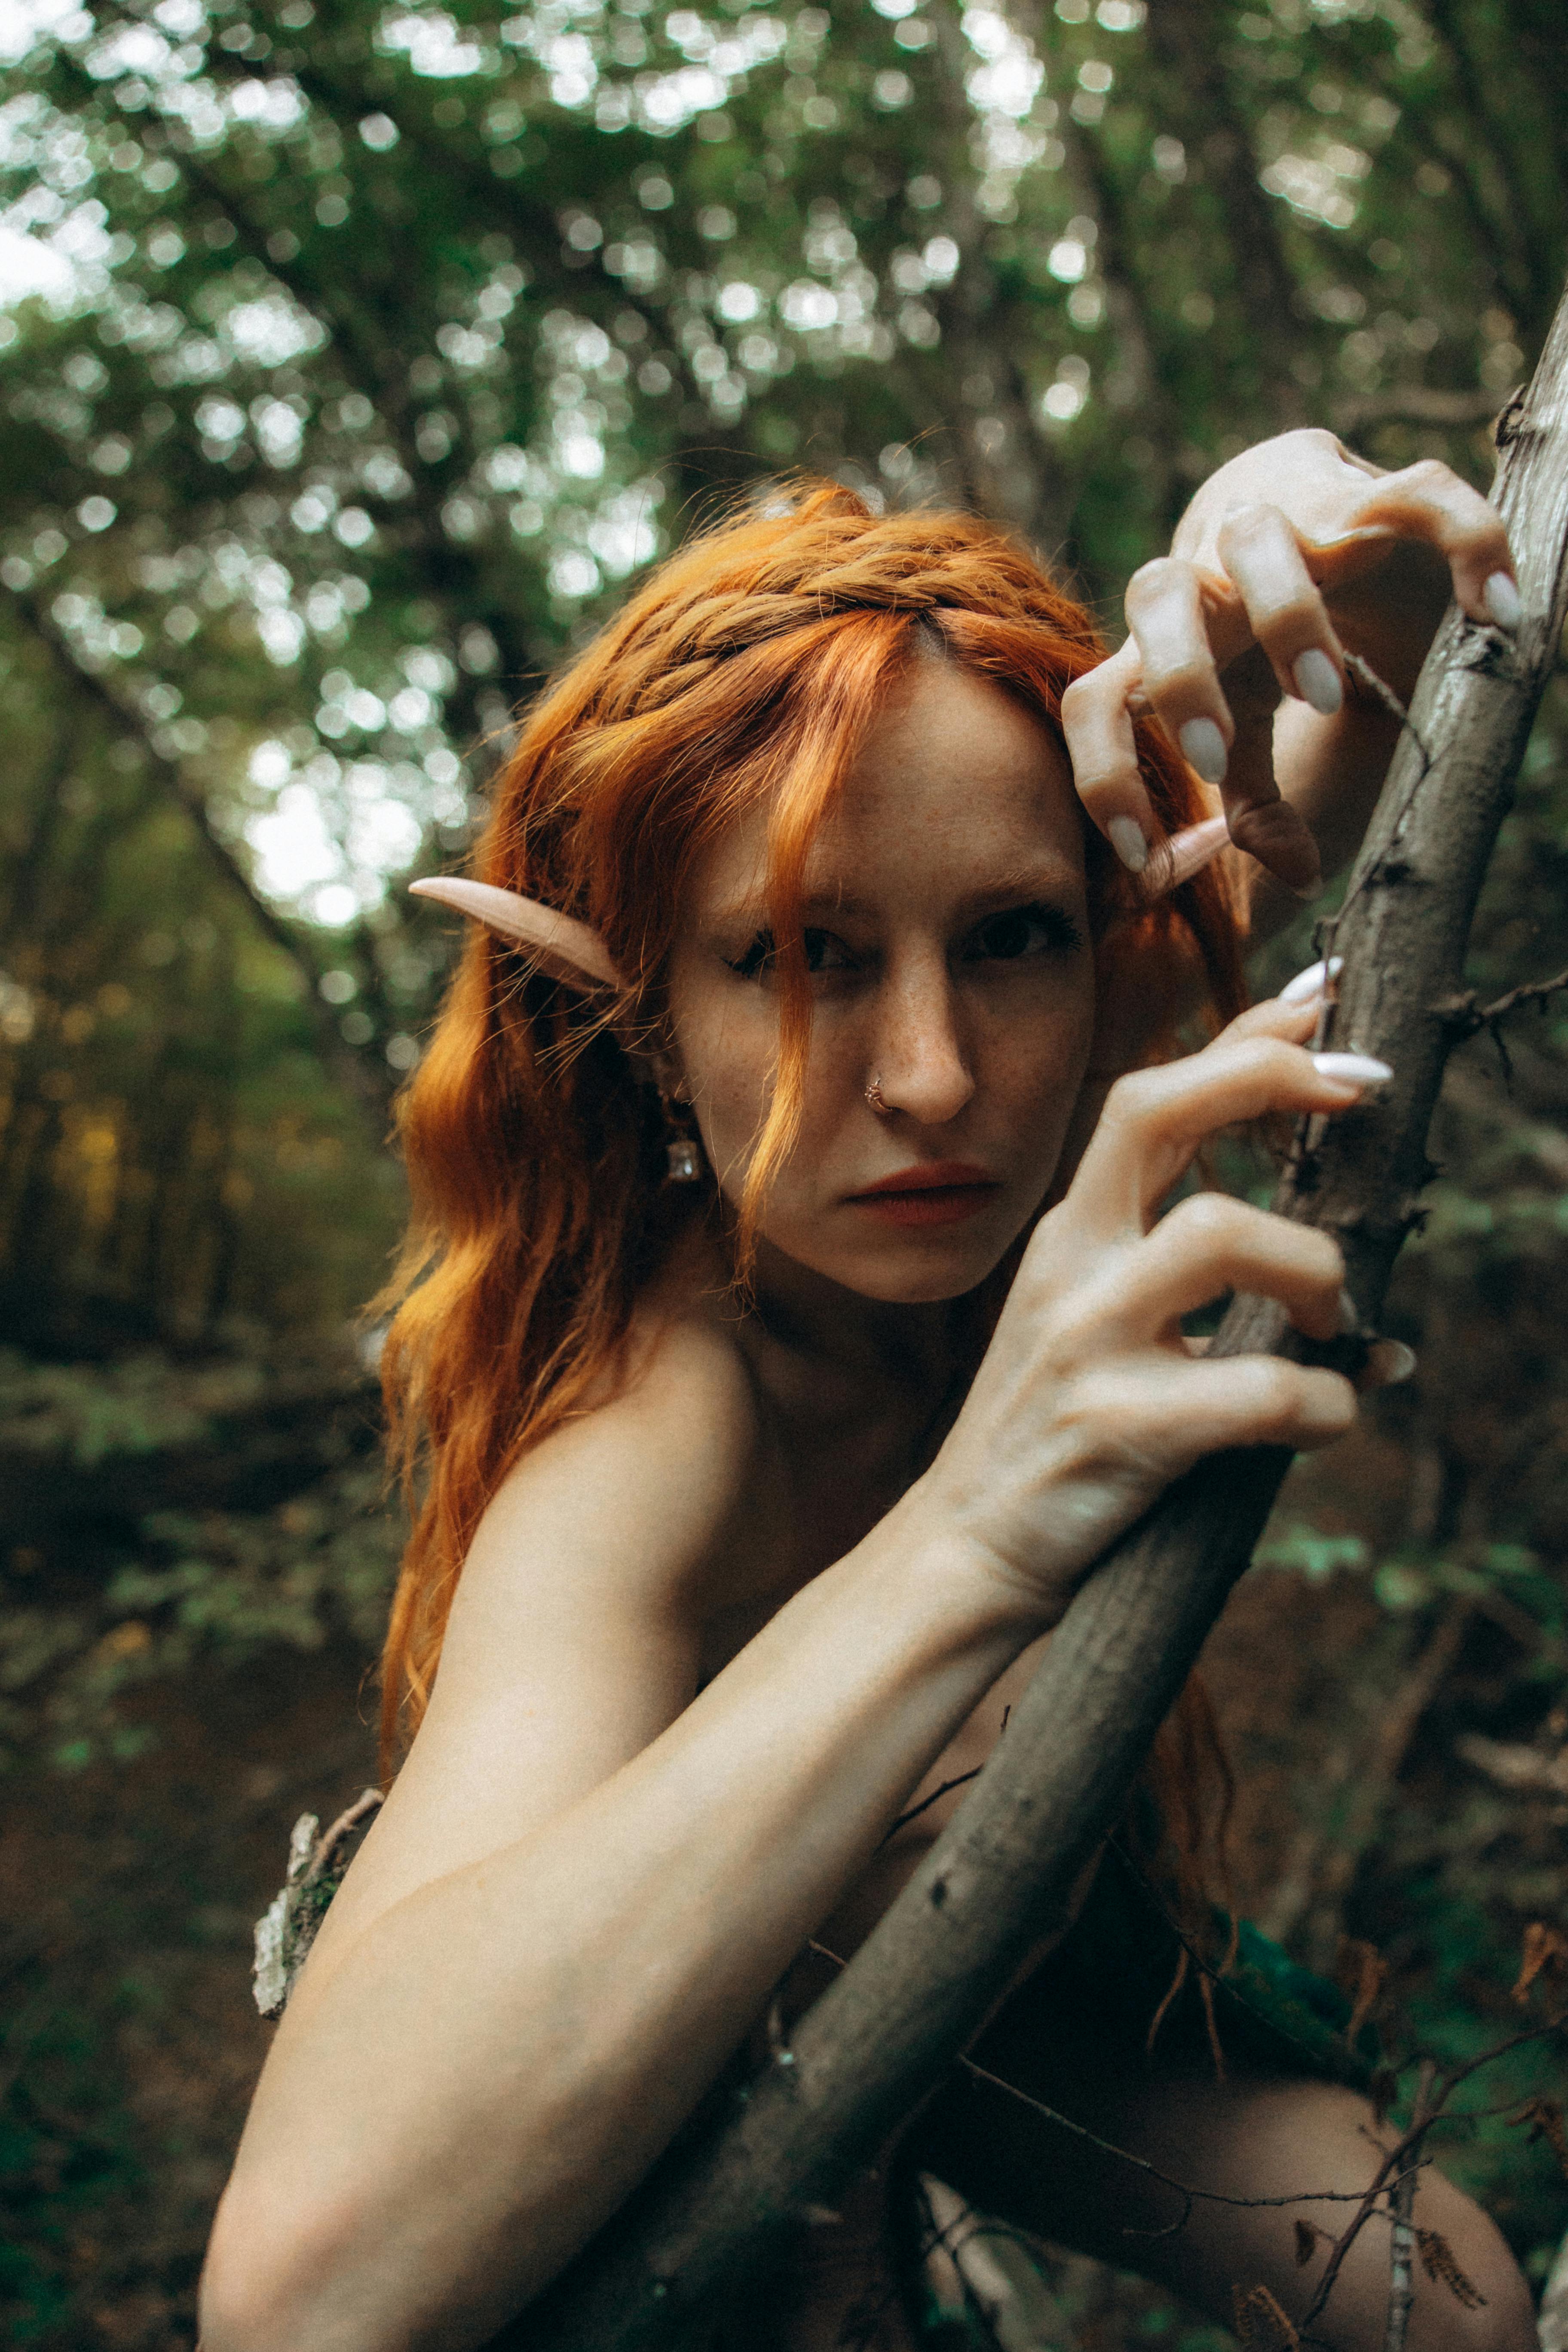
(1185, 854)
(559, 945)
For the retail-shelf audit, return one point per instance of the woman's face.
(947, 934)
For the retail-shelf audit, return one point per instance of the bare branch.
(998, 1884)
(1402, 2240)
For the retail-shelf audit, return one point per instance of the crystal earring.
(683, 1152)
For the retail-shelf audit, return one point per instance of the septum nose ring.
(874, 1097)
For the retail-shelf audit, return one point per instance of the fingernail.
(1318, 682)
(1350, 1315)
(1311, 982)
(1125, 835)
(1501, 599)
(1390, 1361)
(1203, 746)
(1354, 1069)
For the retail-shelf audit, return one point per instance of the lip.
(931, 1192)
(926, 1176)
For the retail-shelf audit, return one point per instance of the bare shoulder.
(576, 1630)
(640, 1491)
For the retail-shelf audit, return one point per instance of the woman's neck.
(915, 1350)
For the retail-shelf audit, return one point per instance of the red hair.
(747, 668)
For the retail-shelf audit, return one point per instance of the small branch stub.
(287, 1929)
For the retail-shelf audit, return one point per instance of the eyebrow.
(1015, 886)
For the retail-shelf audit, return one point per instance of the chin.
(919, 1277)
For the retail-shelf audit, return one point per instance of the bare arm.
(584, 1883)
(588, 1878)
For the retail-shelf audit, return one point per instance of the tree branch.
(998, 1884)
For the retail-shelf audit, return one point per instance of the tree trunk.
(997, 1884)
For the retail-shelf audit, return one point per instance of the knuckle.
(1254, 518)
(1211, 1220)
(1265, 1058)
(1325, 1260)
(1134, 1097)
(1189, 674)
(1273, 1389)
(1077, 695)
(1429, 474)
(1295, 617)
(1157, 577)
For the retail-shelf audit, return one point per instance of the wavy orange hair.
(747, 668)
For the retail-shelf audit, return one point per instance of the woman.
(765, 1486)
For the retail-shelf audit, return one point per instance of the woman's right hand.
(1089, 1400)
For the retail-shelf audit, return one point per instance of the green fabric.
(1110, 1974)
(1272, 2016)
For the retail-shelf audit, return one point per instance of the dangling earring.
(683, 1149)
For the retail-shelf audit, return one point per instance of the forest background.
(353, 357)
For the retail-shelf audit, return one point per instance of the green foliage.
(382, 347)
(171, 1594)
(385, 345)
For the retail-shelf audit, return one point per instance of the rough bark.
(997, 1884)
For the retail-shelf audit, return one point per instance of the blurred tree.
(378, 346)
(374, 349)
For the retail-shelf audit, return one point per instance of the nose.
(918, 1052)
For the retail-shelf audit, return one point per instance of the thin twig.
(935, 1798)
(1232, 1990)
(1184, 2189)
(1401, 2238)
(1462, 1013)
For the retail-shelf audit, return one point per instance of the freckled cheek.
(727, 1060)
(1037, 1070)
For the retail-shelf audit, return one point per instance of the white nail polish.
(1354, 1069)
(1391, 1361)
(1125, 835)
(1203, 746)
(1350, 1316)
(1318, 682)
(1311, 982)
(1501, 599)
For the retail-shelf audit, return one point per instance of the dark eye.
(824, 953)
(757, 960)
(1021, 931)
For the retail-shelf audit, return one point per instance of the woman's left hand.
(1291, 556)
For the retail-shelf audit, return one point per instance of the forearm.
(491, 2066)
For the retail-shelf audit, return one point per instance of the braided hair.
(745, 671)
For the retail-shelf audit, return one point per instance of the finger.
(1210, 1244)
(1429, 502)
(1154, 1120)
(1262, 824)
(1175, 1411)
(1294, 1019)
(1098, 728)
(1261, 553)
(1309, 984)
(1170, 611)
(1388, 1361)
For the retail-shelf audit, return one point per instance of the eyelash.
(1063, 936)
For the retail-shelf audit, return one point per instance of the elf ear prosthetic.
(574, 953)
(562, 949)
(561, 946)
(1176, 861)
